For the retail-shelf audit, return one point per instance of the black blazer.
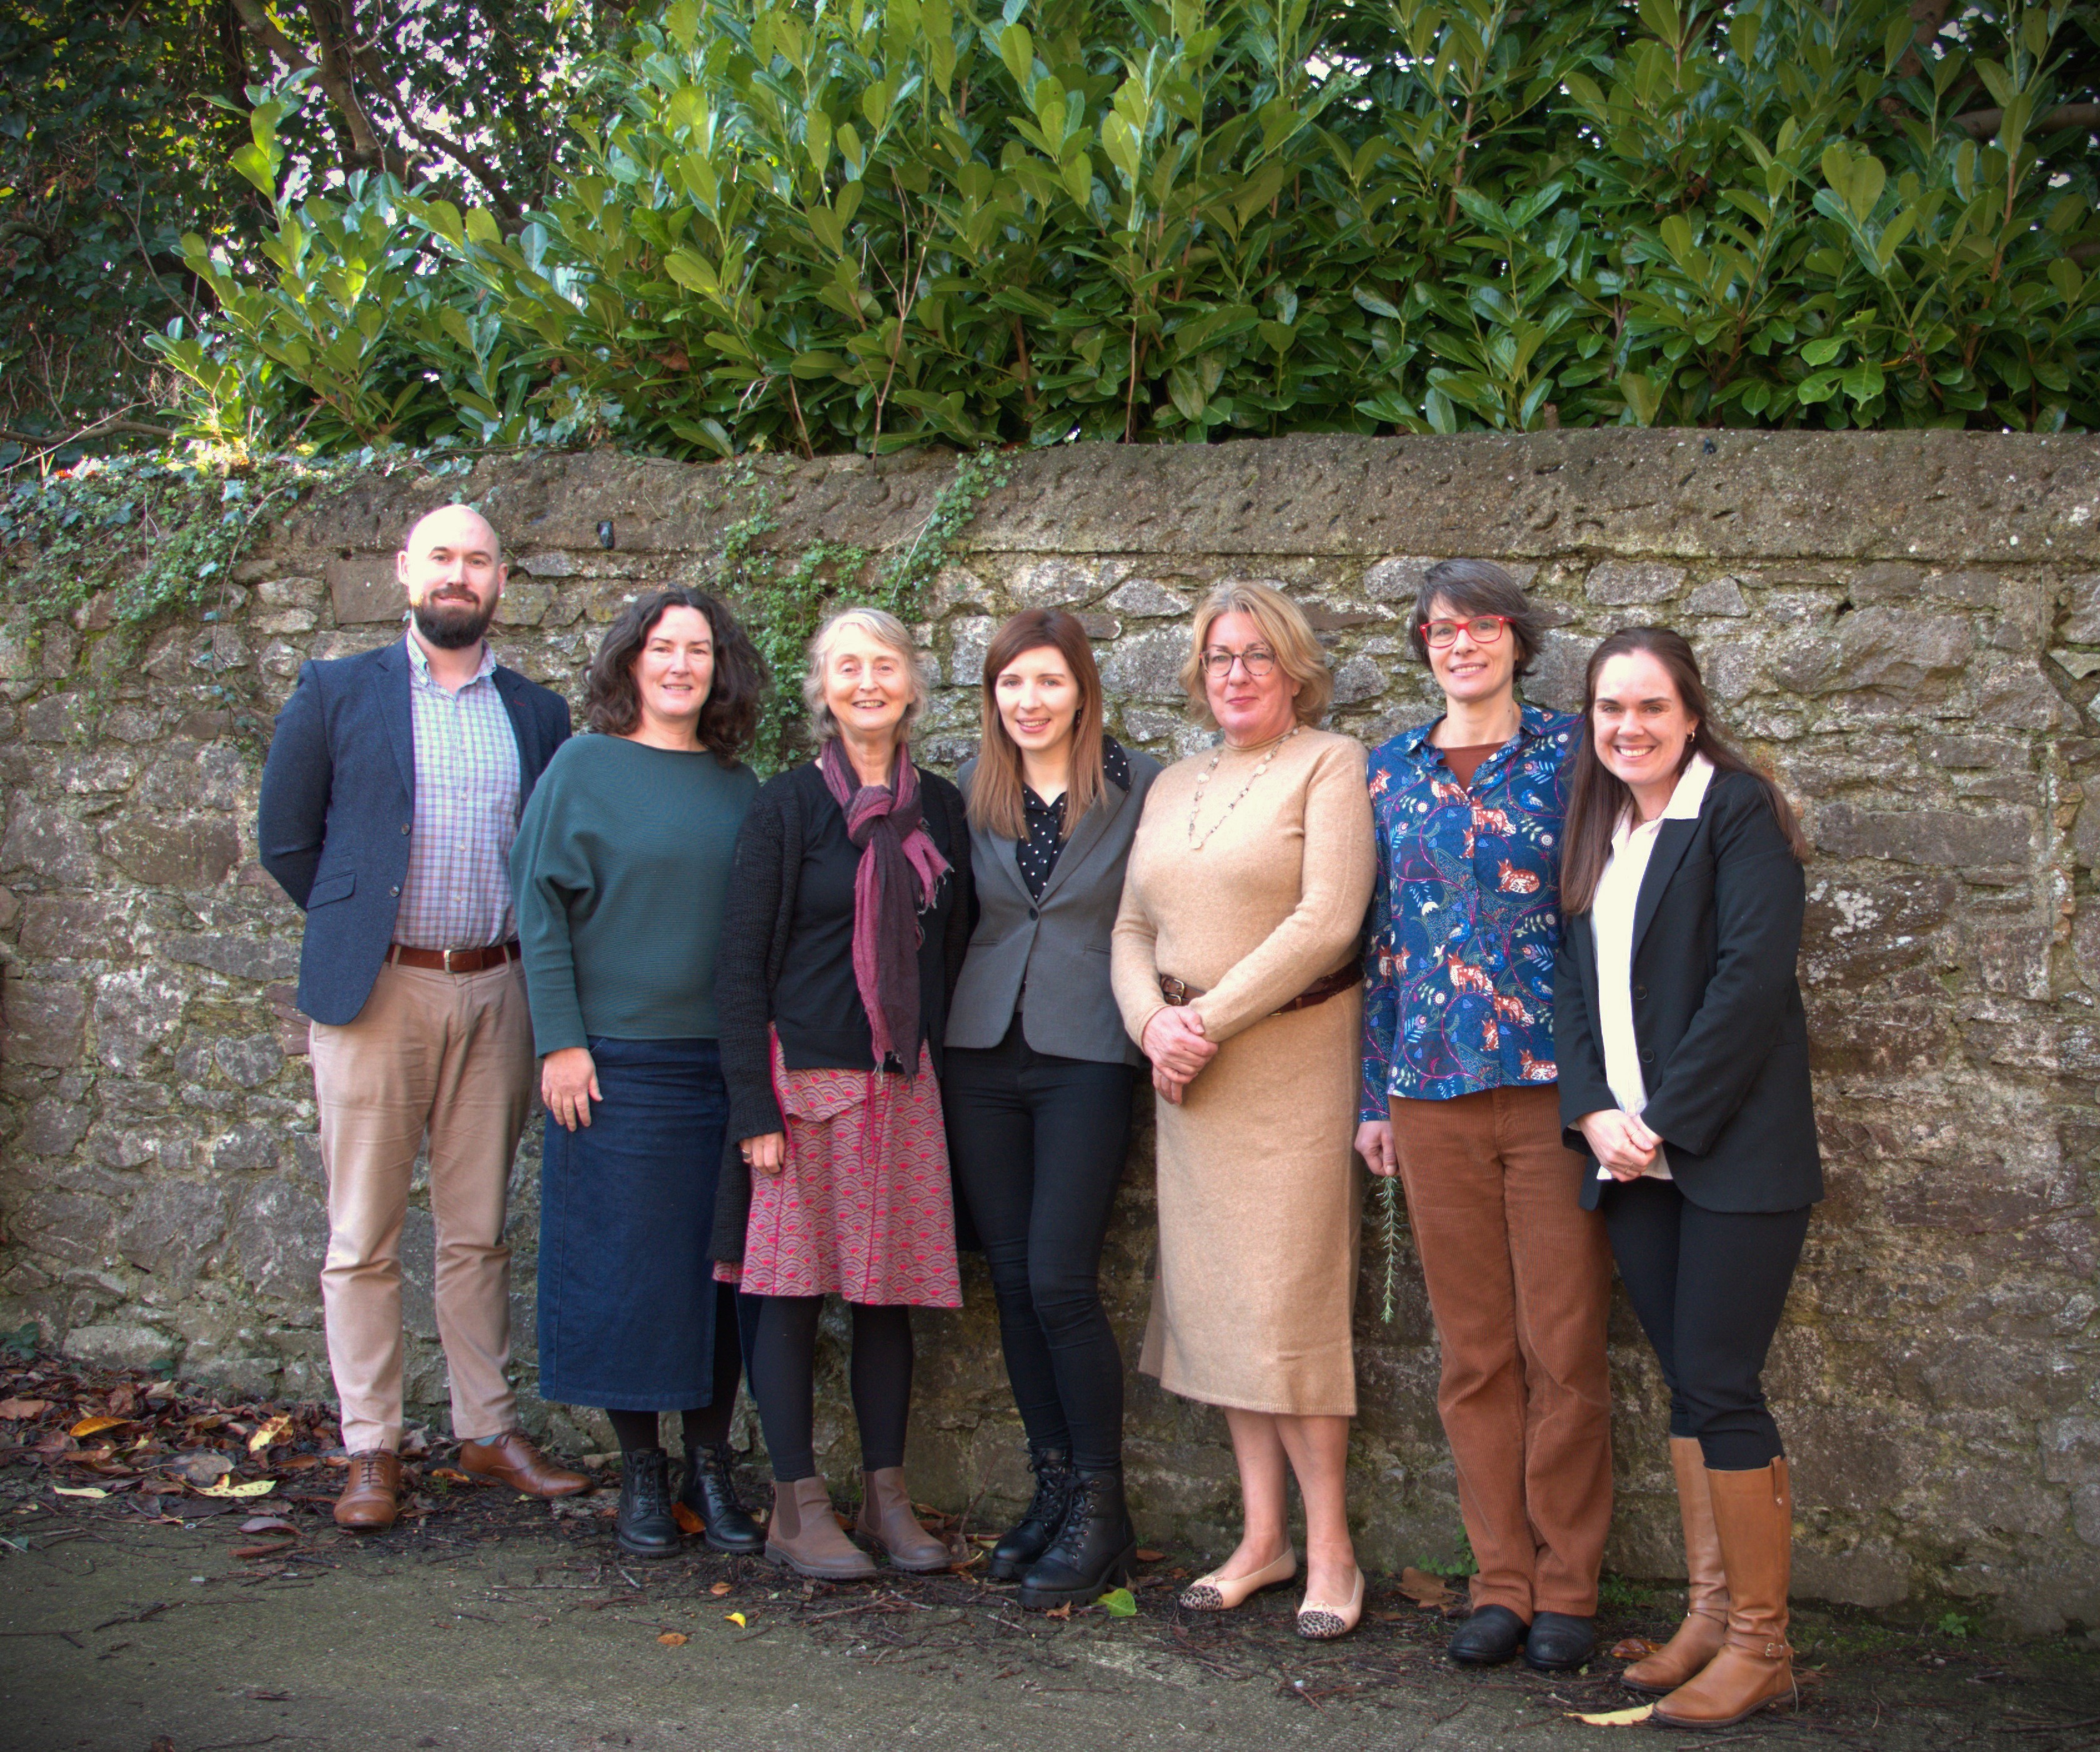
(793, 819)
(339, 798)
(1723, 1035)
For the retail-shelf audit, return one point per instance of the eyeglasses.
(1482, 629)
(1258, 661)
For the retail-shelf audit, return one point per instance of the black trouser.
(1038, 1145)
(783, 1372)
(1708, 1287)
(706, 1425)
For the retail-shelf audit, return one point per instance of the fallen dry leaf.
(267, 1524)
(278, 1429)
(123, 1401)
(687, 1520)
(674, 1638)
(297, 1462)
(23, 1408)
(451, 1474)
(265, 1550)
(205, 1468)
(1424, 1589)
(96, 1426)
(83, 1491)
(1145, 1555)
(254, 1488)
(719, 1589)
(736, 1618)
(1064, 1611)
(161, 1392)
(1632, 1648)
(1616, 1718)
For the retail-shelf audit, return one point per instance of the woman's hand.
(568, 1084)
(766, 1153)
(1374, 1144)
(1623, 1146)
(1174, 1042)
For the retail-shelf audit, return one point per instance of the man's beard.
(450, 626)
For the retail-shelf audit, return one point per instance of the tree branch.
(331, 73)
(469, 160)
(1927, 15)
(1982, 124)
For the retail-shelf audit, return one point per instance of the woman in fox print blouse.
(1459, 1097)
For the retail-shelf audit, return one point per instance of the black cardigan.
(1717, 1015)
(795, 819)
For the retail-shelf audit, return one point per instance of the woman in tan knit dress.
(1235, 964)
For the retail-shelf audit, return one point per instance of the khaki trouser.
(451, 1055)
(1519, 1283)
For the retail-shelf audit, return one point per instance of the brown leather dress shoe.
(372, 1494)
(511, 1459)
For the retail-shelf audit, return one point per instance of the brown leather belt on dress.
(456, 961)
(1178, 992)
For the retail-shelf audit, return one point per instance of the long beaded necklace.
(1195, 802)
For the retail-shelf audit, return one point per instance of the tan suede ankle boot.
(886, 1517)
(804, 1535)
(1705, 1627)
(1754, 1513)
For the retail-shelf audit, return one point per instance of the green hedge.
(869, 224)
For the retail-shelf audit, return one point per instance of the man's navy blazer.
(339, 802)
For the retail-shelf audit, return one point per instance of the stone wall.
(1907, 625)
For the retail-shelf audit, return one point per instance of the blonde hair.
(885, 628)
(1289, 633)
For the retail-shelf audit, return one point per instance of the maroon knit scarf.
(900, 868)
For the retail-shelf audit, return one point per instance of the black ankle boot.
(646, 1527)
(710, 1493)
(1029, 1537)
(1092, 1550)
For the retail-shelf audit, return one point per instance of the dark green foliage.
(891, 221)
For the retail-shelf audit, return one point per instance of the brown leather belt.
(1178, 992)
(455, 960)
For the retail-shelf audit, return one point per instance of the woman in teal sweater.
(620, 870)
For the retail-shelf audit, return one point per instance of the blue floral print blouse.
(1465, 918)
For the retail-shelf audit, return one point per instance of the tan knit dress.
(1257, 1199)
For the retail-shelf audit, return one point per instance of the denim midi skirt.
(627, 1293)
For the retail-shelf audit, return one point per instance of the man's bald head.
(451, 564)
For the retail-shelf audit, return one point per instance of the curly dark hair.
(612, 703)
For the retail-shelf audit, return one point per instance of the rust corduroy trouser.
(1519, 1283)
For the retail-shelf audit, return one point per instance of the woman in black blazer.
(1039, 1083)
(1683, 1055)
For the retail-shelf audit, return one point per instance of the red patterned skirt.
(862, 1209)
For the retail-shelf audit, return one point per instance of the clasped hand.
(1174, 1042)
(1623, 1146)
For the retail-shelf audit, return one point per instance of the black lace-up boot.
(710, 1493)
(1029, 1537)
(1093, 1551)
(645, 1527)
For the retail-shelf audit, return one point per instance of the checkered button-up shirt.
(468, 782)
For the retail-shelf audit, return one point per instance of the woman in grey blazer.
(1038, 1089)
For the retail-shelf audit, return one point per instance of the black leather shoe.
(1491, 1636)
(1558, 1641)
(710, 1492)
(645, 1527)
(1029, 1537)
(1093, 1551)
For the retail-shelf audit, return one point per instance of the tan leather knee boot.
(1705, 1627)
(1754, 1513)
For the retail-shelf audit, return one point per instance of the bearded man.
(389, 799)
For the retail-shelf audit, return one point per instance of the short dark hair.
(1478, 587)
(612, 703)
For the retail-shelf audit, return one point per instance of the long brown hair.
(995, 804)
(1597, 797)
(612, 702)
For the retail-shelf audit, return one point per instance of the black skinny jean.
(1038, 1145)
(1708, 1287)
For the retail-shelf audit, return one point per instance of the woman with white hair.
(847, 920)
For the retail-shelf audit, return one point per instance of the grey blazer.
(1057, 948)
